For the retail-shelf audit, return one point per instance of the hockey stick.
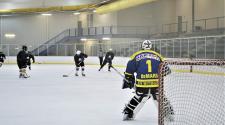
(123, 85)
(67, 75)
(118, 72)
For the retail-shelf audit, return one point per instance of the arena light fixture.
(46, 14)
(106, 38)
(83, 39)
(10, 35)
(76, 13)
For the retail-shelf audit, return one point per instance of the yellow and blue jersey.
(145, 63)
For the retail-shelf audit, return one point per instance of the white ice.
(47, 98)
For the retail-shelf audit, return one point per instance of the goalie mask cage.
(196, 96)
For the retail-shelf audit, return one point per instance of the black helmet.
(24, 48)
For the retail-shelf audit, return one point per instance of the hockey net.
(195, 90)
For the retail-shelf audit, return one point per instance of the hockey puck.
(65, 75)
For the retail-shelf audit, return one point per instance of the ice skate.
(23, 76)
(128, 116)
(29, 67)
(26, 76)
(76, 74)
(20, 76)
(83, 74)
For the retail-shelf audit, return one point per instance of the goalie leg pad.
(137, 102)
(168, 110)
(143, 94)
(129, 109)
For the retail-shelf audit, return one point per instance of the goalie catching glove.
(128, 81)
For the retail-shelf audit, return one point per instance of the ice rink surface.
(47, 98)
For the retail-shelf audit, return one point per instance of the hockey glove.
(128, 81)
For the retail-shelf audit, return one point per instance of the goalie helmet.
(78, 52)
(147, 44)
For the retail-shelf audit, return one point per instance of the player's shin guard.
(24, 74)
(109, 67)
(20, 75)
(77, 69)
(82, 71)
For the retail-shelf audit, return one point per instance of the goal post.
(195, 97)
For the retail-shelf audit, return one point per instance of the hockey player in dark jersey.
(29, 57)
(22, 62)
(145, 64)
(2, 58)
(108, 59)
(79, 62)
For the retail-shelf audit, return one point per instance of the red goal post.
(197, 96)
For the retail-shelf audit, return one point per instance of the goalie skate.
(126, 117)
(128, 114)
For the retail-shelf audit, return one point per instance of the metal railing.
(174, 27)
(57, 46)
(214, 23)
(207, 47)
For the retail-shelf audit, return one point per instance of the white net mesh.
(197, 97)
